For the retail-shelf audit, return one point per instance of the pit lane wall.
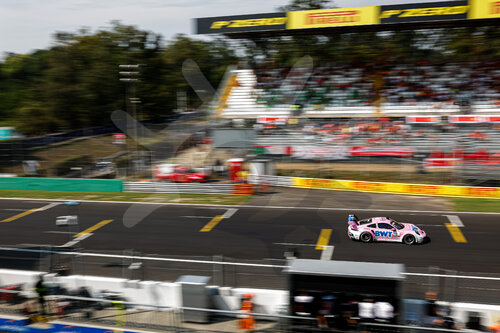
(398, 188)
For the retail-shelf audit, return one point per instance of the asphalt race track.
(251, 233)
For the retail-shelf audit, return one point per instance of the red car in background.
(179, 174)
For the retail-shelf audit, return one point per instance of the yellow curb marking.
(94, 227)
(323, 239)
(455, 232)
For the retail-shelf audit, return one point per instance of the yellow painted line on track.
(213, 222)
(323, 239)
(94, 227)
(455, 232)
(18, 216)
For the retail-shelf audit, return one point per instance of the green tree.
(296, 5)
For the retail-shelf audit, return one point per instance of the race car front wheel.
(409, 239)
(366, 237)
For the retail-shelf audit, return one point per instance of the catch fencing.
(450, 285)
(117, 313)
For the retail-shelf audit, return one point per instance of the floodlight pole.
(129, 74)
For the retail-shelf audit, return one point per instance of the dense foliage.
(76, 82)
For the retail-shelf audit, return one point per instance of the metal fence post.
(450, 284)
(218, 270)
(433, 284)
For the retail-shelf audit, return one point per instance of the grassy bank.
(457, 204)
(476, 205)
(371, 174)
(219, 199)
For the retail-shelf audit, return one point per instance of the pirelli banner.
(414, 189)
(338, 17)
(241, 23)
(422, 12)
(481, 9)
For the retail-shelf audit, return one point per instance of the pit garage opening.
(332, 290)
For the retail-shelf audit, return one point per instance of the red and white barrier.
(423, 119)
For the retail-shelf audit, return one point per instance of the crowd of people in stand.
(420, 83)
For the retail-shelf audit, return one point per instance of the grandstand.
(441, 111)
(354, 86)
(350, 91)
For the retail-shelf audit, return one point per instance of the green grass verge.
(434, 178)
(476, 205)
(218, 199)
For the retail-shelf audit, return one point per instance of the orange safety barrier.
(243, 189)
(264, 187)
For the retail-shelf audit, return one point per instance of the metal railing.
(270, 180)
(450, 285)
(120, 313)
(192, 188)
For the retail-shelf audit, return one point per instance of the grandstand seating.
(341, 90)
(423, 139)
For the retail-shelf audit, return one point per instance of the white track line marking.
(230, 212)
(76, 240)
(455, 220)
(214, 206)
(197, 217)
(49, 206)
(327, 252)
(294, 244)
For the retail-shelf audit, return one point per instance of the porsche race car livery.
(384, 229)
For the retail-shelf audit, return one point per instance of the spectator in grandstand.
(437, 85)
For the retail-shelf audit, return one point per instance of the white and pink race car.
(384, 229)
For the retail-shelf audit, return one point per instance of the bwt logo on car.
(383, 233)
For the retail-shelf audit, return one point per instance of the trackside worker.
(42, 292)
(247, 322)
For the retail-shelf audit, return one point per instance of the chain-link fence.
(119, 314)
(450, 285)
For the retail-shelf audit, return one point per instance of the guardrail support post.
(218, 271)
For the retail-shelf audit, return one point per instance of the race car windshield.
(397, 225)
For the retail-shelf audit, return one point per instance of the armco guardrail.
(61, 184)
(398, 188)
(193, 188)
(270, 180)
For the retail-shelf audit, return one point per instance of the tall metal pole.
(129, 76)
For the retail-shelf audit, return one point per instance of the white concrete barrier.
(154, 293)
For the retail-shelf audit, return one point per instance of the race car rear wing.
(353, 220)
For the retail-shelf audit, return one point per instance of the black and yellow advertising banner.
(423, 12)
(484, 9)
(241, 23)
(326, 18)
